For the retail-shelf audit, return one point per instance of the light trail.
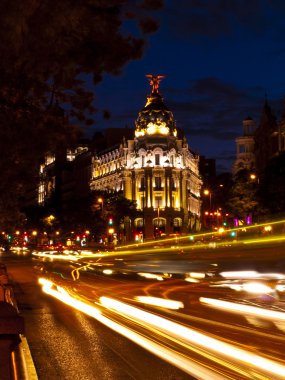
(199, 236)
(180, 335)
(251, 274)
(235, 307)
(76, 272)
(151, 276)
(186, 364)
(160, 302)
(53, 255)
(197, 338)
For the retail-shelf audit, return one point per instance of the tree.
(114, 209)
(120, 207)
(243, 198)
(273, 185)
(49, 50)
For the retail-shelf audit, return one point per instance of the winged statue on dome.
(154, 81)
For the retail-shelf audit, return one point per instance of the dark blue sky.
(220, 58)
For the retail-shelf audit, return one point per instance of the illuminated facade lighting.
(156, 169)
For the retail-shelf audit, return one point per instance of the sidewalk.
(15, 357)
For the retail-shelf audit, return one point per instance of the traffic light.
(110, 221)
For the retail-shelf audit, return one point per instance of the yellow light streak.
(161, 302)
(192, 336)
(107, 271)
(76, 272)
(52, 255)
(235, 307)
(186, 364)
(200, 236)
(197, 275)
(151, 276)
(62, 295)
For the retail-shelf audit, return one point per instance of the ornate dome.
(155, 118)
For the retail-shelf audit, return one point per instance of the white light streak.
(251, 274)
(265, 313)
(52, 255)
(107, 271)
(257, 288)
(151, 276)
(189, 335)
(161, 302)
(180, 361)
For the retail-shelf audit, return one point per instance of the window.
(139, 222)
(157, 159)
(142, 185)
(41, 193)
(177, 222)
(157, 202)
(157, 181)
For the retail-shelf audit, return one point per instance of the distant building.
(156, 169)
(207, 170)
(64, 178)
(245, 147)
(258, 145)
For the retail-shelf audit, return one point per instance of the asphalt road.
(67, 345)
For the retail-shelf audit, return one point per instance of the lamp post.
(208, 193)
(101, 201)
(253, 177)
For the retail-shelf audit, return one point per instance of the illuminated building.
(260, 144)
(64, 178)
(245, 147)
(156, 169)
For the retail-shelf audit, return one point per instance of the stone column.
(127, 184)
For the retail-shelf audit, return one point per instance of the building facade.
(156, 169)
(245, 147)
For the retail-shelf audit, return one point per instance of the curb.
(23, 364)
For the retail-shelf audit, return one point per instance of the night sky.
(221, 58)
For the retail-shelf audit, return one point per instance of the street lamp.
(208, 192)
(100, 200)
(253, 177)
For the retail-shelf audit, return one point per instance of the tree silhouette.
(273, 186)
(243, 198)
(49, 51)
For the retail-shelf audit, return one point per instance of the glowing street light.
(207, 192)
(101, 201)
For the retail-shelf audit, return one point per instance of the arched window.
(177, 224)
(139, 222)
(159, 222)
